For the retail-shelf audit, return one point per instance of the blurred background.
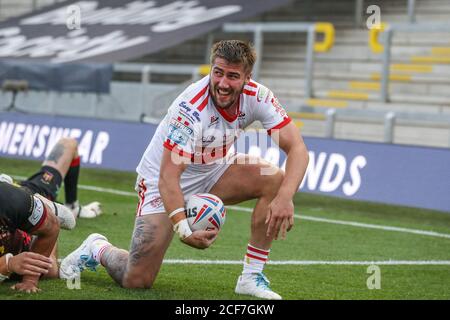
(344, 99)
(340, 74)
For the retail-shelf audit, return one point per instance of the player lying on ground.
(62, 164)
(200, 127)
(29, 228)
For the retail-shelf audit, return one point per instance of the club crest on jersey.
(156, 202)
(214, 120)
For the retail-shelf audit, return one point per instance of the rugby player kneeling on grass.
(191, 152)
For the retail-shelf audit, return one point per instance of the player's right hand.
(201, 239)
(29, 264)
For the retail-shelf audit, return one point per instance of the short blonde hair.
(234, 51)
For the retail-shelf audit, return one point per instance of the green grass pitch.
(308, 241)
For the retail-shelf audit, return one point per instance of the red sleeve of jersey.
(280, 125)
(176, 148)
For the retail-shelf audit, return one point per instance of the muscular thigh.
(245, 179)
(151, 238)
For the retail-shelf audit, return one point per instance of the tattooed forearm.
(56, 153)
(143, 236)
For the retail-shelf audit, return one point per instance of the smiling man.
(191, 153)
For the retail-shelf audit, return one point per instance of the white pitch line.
(358, 224)
(303, 217)
(106, 190)
(316, 262)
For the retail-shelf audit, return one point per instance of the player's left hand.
(26, 286)
(280, 217)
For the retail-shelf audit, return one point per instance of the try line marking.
(303, 217)
(312, 262)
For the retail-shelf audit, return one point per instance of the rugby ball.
(205, 211)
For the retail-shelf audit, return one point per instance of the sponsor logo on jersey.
(279, 109)
(179, 132)
(178, 136)
(184, 106)
(196, 115)
(38, 211)
(187, 116)
(181, 126)
(187, 112)
(208, 139)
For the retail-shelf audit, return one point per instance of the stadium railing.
(146, 96)
(258, 30)
(149, 105)
(390, 121)
(387, 31)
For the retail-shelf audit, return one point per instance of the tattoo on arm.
(56, 153)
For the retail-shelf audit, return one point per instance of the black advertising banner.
(117, 30)
(62, 77)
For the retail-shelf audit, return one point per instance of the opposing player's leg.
(137, 268)
(62, 164)
(252, 178)
(62, 155)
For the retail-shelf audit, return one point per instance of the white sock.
(98, 248)
(255, 259)
(75, 208)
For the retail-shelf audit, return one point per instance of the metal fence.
(387, 32)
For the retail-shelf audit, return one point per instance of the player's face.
(227, 82)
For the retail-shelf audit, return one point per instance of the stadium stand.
(12, 8)
(346, 102)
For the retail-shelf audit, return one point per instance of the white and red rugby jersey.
(195, 128)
